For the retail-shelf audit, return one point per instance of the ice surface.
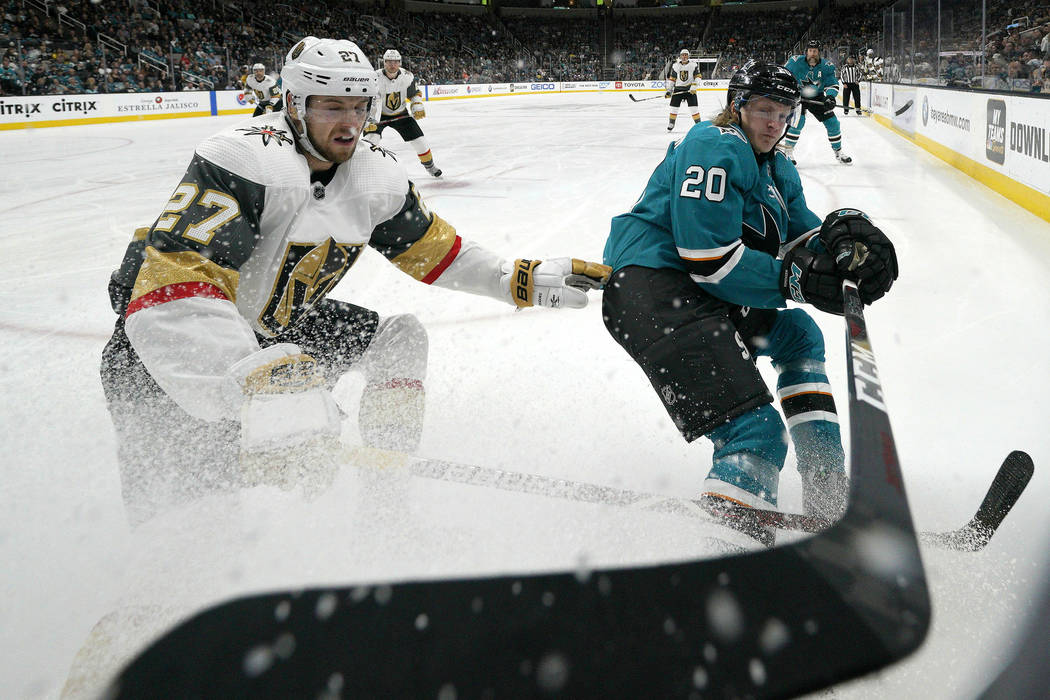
(961, 343)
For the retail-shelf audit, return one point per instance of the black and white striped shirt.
(850, 74)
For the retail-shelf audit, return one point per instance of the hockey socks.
(749, 454)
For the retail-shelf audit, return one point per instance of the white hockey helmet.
(684, 52)
(258, 66)
(335, 67)
(392, 55)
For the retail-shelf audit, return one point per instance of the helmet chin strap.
(303, 137)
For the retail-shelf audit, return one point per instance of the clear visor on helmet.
(770, 109)
(332, 110)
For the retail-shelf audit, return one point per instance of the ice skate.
(843, 158)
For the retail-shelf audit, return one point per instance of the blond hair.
(726, 117)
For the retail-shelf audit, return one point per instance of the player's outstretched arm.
(425, 246)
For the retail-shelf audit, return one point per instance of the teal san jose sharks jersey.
(713, 210)
(816, 81)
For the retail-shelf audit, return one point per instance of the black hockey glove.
(861, 251)
(829, 104)
(811, 278)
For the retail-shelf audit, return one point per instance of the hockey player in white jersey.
(218, 371)
(400, 107)
(263, 90)
(681, 84)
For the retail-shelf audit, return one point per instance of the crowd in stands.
(85, 46)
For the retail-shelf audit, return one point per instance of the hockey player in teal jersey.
(702, 267)
(820, 87)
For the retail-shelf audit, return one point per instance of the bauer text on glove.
(552, 283)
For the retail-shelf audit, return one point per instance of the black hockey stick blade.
(774, 623)
(643, 99)
(1007, 486)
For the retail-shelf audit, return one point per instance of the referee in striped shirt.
(850, 75)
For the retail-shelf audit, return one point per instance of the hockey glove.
(809, 277)
(829, 104)
(418, 112)
(552, 283)
(667, 95)
(862, 252)
(289, 421)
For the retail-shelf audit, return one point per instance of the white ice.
(961, 343)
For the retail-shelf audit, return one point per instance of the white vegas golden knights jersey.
(247, 245)
(682, 76)
(265, 90)
(396, 93)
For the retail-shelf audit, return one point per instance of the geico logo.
(542, 86)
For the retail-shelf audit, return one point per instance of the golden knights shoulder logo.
(298, 49)
(268, 133)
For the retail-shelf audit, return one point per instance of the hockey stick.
(743, 626)
(817, 103)
(1006, 488)
(644, 99)
(1003, 492)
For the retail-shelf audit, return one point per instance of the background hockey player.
(218, 371)
(703, 265)
(872, 66)
(263, 90)
(681, 84)
(820, 87)
(398, 95)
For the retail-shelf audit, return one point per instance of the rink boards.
(1000, 139)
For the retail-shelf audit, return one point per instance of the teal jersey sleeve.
(830, 80)
(713, 187)
(798, 67)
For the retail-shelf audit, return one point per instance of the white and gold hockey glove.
(289, 422)
(552, 283)
(418, 111)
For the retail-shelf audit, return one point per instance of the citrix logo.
(25, 110)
